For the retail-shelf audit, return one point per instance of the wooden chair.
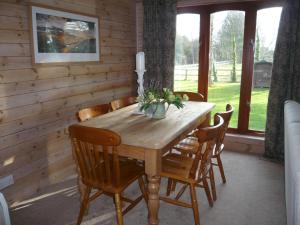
(220, 146)
(122, 102)
(193, 96)
(101, 168)
(193, 171)
(189, 145)
(91, 112)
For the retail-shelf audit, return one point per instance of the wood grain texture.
(148, 139)
(144, 132)
(38, 102)
(100, 167)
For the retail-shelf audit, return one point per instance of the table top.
(142, 131)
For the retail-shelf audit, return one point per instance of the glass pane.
(266, 36)
(187, 52)
(226, 52)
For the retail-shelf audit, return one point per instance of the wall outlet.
(6, 181)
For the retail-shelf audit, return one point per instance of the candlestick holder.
(140, 82)
(140, 89)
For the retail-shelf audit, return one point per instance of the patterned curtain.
(159, 42)
(285, 83)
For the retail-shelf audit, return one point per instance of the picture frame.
(63, 36)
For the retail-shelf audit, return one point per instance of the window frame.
(250, 8)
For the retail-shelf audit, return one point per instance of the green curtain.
(285, 82)
(159, 42)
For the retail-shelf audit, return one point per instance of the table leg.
(153, 202)
(152, 169)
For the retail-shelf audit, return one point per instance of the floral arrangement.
(153, 97)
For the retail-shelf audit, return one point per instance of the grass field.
(223, 93)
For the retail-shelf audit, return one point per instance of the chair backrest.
(93, 111)
(122, 102)
(226, 117)
(96, 155)
(193, 96)
(207, 138)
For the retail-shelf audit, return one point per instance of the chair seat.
(177, 167)
(190, 145)
(130, 170)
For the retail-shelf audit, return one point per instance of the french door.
(235, 54)
(225, 60)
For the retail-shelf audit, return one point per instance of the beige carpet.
(253, 195)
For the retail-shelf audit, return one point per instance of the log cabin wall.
(38, 103)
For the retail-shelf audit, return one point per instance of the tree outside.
(225, 58)
(186, 51)
(257, 47)
(233, 72)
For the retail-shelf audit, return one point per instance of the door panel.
(187, 52)
(225, 60)
(266, 36)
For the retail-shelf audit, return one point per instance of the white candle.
(140, 61)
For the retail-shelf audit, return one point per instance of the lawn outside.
(222, 93)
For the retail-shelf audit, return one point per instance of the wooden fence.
(190, 72)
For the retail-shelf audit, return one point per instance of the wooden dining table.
(147, 139)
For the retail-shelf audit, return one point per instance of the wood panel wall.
(38, 103)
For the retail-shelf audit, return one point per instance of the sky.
(267, 24)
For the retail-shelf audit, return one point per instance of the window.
(225, 60)
(266, 35)
(187, 52)
(237, 43)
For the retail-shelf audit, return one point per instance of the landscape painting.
(64, 37)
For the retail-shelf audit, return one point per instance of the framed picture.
(59, 36)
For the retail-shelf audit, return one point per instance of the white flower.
(185, 97)
(151, 96)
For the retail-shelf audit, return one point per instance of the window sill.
(244, 143)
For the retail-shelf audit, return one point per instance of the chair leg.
(173, 186)
(194, 204)
(84, 204)
(212, 183)
(143, 189)
(169, 186)
(207, 192)
(220, 165)
(119, 209)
